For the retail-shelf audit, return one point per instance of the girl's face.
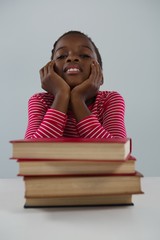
(73, 57)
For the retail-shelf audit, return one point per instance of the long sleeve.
(44, 122)
(107, 120)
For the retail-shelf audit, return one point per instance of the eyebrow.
(84, 46)
(60, 48)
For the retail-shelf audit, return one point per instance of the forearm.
(61, 102)
(87, 123)
(44, 122)
(106, 120)
(90, 127)
(79, 107)
(52, 125)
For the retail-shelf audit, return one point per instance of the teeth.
(73, 70)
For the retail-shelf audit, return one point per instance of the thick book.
(99, 200)
(62, 186)
(38, 167)
(72, 148)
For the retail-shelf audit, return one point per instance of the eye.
(62, 56)
(84, 56)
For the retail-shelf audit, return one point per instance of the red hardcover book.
(72, 148)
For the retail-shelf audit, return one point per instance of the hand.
(89, 87)
(86, 90)
(51, 81)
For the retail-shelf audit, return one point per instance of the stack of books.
(77, 172)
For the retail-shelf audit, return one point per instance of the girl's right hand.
(51, 81)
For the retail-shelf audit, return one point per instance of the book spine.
(75, 175)
(69, 160)
(80, 205)
(135, 174)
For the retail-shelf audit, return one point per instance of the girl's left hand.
(90, 86)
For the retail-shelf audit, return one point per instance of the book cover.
(72, 140)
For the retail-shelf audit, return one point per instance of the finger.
(100, 75)
(95, 71)
(45, 69)
(47, 64)
(51, 66)
(98, 80)
(41, 72)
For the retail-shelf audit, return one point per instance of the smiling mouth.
(73, 70)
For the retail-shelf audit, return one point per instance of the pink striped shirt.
(106, 119)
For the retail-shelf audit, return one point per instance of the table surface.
(140, 222)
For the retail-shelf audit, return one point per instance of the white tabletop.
(140, 222)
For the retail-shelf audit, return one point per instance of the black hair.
(78, 32)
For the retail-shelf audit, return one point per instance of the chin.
(73, 83)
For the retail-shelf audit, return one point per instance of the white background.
(127, 34)
(140, 221)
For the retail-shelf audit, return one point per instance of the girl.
(73, 105)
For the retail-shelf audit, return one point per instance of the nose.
(72, 58)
